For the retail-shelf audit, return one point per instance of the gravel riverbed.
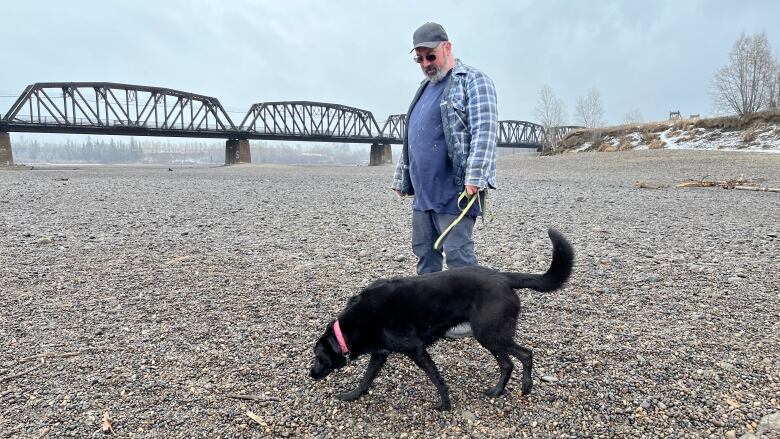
(154, 295)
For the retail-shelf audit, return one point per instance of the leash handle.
(463, 212)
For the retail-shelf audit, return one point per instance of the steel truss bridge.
(136, 110)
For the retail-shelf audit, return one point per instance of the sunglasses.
(431, 57)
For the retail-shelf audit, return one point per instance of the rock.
(549, 379)
(399, 258)
(731, 434)
(468, 416)
(44, 240)
(769, 423)
(725, 366)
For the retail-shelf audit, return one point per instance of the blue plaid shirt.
(470, 121)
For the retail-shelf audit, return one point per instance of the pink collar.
(340, 338)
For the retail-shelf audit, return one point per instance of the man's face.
(434, 70)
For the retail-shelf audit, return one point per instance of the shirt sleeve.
(483, 127)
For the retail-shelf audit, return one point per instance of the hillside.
(757, 132)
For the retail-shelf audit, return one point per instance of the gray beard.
(440, 74)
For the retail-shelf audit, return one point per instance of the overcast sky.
(653, 56)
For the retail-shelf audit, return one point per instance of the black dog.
(408, 314)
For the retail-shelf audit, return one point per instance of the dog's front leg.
(425, 362)
(374, 366)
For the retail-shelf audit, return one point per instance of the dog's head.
(327, 355)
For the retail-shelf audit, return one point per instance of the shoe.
(461, 330)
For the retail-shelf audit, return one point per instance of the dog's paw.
(352, 395)
(443, 406)
(527, 387)
(495, 392)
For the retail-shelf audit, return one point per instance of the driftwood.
(740, 183)
(755, 188)
(697, 183)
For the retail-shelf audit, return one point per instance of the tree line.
(163, 151)
(748, 83)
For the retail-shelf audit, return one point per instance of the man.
(449, 146)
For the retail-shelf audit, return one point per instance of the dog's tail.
(556, 275)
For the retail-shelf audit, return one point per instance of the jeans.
(458, 246)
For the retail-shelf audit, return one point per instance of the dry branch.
(725, 184)
(249, 397)
(760, 189)
(697, 183)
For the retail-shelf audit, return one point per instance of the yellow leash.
(463, 212)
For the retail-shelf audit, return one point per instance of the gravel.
(155, 296)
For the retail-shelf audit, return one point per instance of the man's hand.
(471, 190)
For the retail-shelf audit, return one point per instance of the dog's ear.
(330, 338)
(334, 344)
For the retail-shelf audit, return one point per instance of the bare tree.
(742, 85)
(633, 117)
(590, 112)
(773, 91)
(550, 110)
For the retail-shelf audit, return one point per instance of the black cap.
(429, 35)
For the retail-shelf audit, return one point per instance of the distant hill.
(756, 132)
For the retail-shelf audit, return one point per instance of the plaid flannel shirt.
(470, 122)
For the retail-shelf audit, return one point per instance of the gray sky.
(653, 56)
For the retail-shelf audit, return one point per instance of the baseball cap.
(429, 35)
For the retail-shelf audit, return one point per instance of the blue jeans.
(458, 246)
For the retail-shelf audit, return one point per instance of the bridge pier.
(237, 151)
(6, 153)
(380, 155)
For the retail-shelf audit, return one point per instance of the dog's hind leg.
(424, 361)
(506, 367)
(374, 366)
(526, 356)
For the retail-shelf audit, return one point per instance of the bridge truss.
(135, 110)
(312, 121)
(118, 109)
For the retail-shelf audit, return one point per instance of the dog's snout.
(318, 371)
